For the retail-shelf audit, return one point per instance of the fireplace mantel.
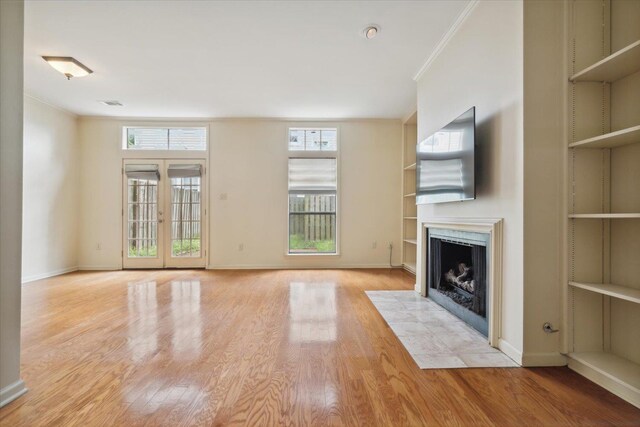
(490, 226)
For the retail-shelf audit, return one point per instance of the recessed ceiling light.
(111, 103)
(371, 31)
(68, 66)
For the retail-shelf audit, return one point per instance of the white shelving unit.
(409, 209)
(602, 332)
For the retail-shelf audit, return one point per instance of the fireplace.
(457, 274)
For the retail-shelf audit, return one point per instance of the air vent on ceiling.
(112, 103)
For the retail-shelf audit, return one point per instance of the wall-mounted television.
(445, 162)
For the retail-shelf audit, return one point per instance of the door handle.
(160, 221)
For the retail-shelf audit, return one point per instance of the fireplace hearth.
(457, 278)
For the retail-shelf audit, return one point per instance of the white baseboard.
(99, 267)
(41, 276)
(543, 359)
(12, 392)
(511, 351)
(297, 267)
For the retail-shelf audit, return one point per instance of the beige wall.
(11, 42)
(482, 66)
(248, 163)
(51, 191)
(545, 155)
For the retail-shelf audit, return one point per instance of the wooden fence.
(312, 217)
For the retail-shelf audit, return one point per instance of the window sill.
(311, 254)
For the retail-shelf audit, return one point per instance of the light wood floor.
(261, 348)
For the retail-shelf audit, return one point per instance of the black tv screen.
(445, 162)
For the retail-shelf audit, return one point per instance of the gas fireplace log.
(462, 279)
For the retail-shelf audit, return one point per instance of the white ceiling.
(234, 59)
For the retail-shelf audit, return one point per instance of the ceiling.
(290, 59)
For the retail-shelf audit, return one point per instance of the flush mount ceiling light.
(370, 31)
(68, 66)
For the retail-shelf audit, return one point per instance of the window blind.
(312, 176)
(184, 171)
(149, 172)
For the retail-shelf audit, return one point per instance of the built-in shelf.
(610, 140)
(624, 373)
(605, 216)
(410, 195)
(620, 64)
(411, 241)
(411, 167)
(616, 291)
(411, 266)
(410, 217)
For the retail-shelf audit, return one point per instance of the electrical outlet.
(223, 196)
(374, 245)
(241, 247)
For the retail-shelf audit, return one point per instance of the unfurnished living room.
(315, 213)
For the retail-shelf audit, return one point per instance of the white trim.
(446, 38)
(510, 351)
(48, 274)
(99, 267)
(492, 227)
(11, 392)
(297, 267)
(543, 359)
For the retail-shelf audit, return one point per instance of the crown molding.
(446, 38)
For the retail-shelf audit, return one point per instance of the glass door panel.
(186, 212)
(142, 219)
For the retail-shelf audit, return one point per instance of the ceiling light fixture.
(371, 31)
(68, 66)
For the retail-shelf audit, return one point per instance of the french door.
(164, 213)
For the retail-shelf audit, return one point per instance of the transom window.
(311, 139)
(165, 138)
(313, 191)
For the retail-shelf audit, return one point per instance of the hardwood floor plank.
(269, 347)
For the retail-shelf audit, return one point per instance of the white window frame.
(325, 154)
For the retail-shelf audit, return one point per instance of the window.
(313, 139)
(313, 187)
(180, 139)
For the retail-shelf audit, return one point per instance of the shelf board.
(605, 216)
(411, 266)
(616, 291)
(410, 195)
(411, 241)
(410, 217)
(622, 374)
(610, 140)
(410, 167)
(620, 64)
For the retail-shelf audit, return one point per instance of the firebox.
(457, 274)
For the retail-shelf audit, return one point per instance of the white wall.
(482, 66)
(11, 86)
(248, 162)
(51, 191)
